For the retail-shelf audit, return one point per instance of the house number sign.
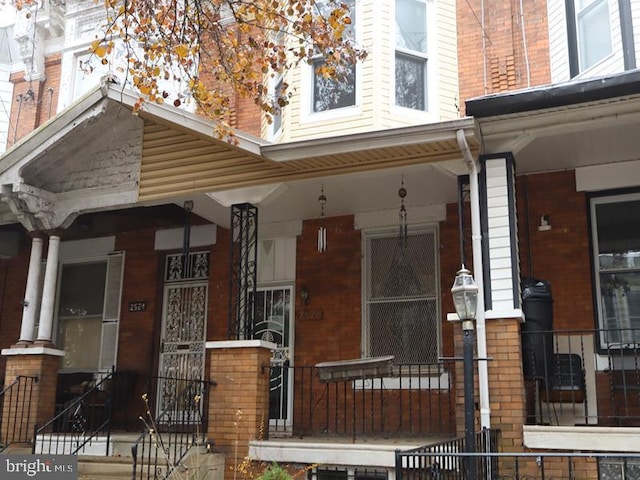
(137, 306)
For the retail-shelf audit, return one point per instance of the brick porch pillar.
(239, 404)
(506, 382)
(36, 361)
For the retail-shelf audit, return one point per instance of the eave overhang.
(179, 155)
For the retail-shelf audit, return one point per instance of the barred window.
(402, 300)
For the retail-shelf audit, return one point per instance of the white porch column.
(30, 304)
(45, 328)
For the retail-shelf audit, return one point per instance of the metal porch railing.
(434, 465)
(408, 400)
(16, 411)
(168, 436)
(447, 459)
(80, 424)
(570, 372)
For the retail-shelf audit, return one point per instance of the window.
(589, 33)
(339, 91)
(616, 244)
(402, 300)
(411, 54)
(88, 313)
(277, 116)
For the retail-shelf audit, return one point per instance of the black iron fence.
(448, 461)
(80, 424)
(403, 400)
(169, 434)
(16, 412)
(570, 372)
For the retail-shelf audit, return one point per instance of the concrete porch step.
(104, 468)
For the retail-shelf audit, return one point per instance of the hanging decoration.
(322, 231)
(402, 223)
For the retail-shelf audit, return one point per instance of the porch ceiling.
(97, 156)
(176, 162)
(567, 137)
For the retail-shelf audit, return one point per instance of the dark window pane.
(82, 289)
(410, 82)
(332, 93)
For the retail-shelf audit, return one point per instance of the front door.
(182, 347)
(273, 323)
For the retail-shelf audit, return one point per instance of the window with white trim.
(411, 54)
(339, 91)
(88, 312)
(590, 34)
(401, 298)
(616, 253)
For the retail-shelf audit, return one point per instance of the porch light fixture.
(465, 300)
(322, 231)
(402, 223)
(304, 295)
(465, 295)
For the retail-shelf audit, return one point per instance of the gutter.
(476, 243)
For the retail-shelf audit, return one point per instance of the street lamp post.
(465, 299)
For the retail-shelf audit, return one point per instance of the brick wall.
(38, 106)
(333, 280)
(239, 405)
(560, 255)
(504, 49)
(42, 395)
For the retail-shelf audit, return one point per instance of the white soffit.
(606, 177)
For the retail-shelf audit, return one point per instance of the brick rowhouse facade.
(498, 55)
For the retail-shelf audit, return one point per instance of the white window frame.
(275, 131)
(366, 259)
(599, 314)
(581, 41)
(308, 81)
(106, 322)
(429, 65)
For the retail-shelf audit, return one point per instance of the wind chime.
(322, 231)
(402, 223)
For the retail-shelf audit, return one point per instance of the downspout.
(476, 243)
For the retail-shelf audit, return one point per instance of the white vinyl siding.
(375, 101)
(499, 236)
(559, 42)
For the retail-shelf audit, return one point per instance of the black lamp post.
(465, 300)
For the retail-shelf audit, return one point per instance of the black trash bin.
(537, 336)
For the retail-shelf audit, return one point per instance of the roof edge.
(558, 95)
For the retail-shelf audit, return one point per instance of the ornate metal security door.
(273, 323)
(182, 348)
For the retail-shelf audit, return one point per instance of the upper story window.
(411, 54)
(402, 298)
(339, 91)
(589, 27)
(615, 234)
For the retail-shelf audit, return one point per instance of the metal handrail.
(74, 414)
